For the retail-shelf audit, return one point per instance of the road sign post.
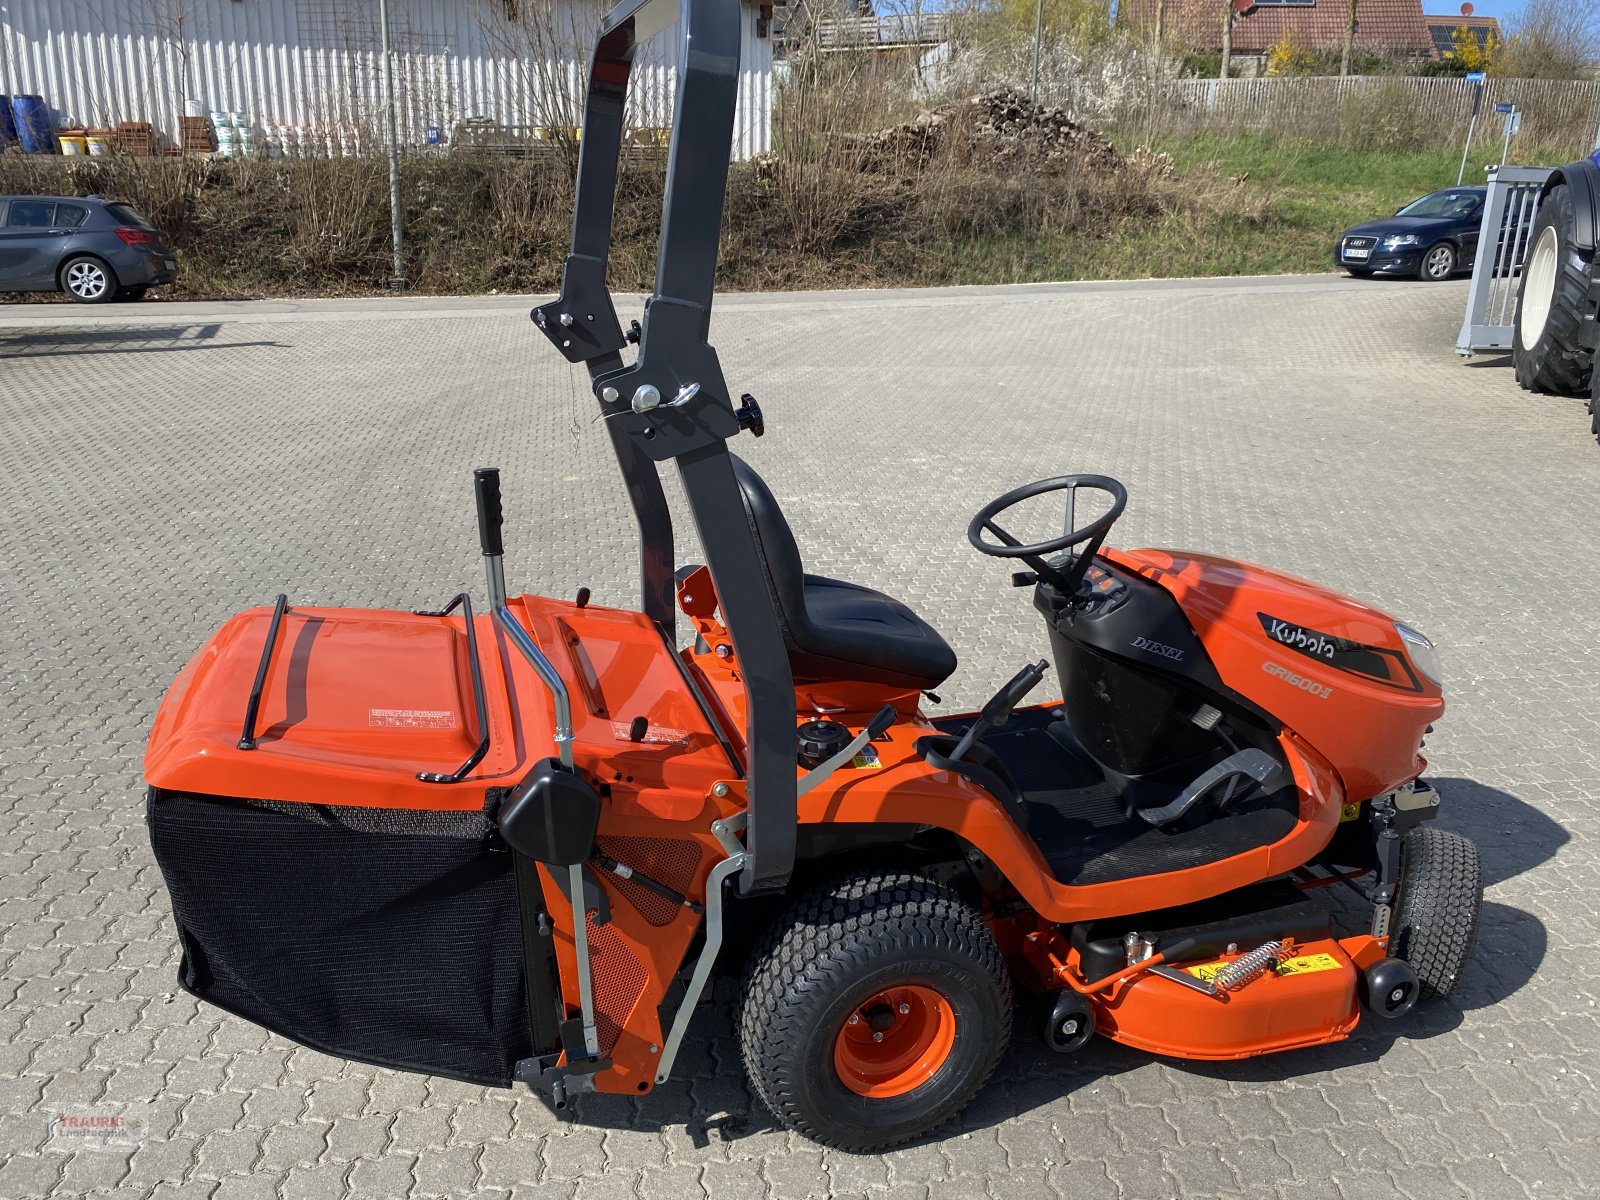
(1513, 127)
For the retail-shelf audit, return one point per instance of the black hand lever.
(486, 484)
(998, 710)
(875, 728)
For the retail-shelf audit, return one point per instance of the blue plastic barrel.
(8, 126)
(33, 124)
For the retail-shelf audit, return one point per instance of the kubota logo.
(1307, 641)
(1309, 686)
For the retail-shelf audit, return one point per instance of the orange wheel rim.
(894, 1041)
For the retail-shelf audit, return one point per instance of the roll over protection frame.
(673, 403)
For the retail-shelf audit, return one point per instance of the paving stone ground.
(168, 465)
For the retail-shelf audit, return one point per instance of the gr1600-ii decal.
(1388, 667)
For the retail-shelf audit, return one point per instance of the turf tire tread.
(1441, 897)
(851, 921)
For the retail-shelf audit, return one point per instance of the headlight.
(1424, 655)
(1394, 243)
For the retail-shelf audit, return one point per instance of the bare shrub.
(989, 196)
(1552, 39)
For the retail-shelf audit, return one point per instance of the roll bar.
(673, 403)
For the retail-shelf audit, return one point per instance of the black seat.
(837, 630)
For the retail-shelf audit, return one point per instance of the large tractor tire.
(1552, 302)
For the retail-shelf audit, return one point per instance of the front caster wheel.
(874, 1011)
(1436, 915)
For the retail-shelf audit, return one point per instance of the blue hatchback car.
(1430, 238)
(89, 248)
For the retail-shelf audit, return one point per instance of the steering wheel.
(1065, 582)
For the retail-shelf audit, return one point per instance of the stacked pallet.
(195, 136)
(134, 137)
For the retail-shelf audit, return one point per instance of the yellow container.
(99, 143)
(74, 143)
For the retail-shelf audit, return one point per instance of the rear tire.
(87, 280)
(1552, 299)
(1436, 917)
(903, 956)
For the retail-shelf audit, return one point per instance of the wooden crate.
(195, 136)
(134, 137)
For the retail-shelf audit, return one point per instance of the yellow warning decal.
(1349, 812)
(1307, 964)
(1304, 964)
(867, 760)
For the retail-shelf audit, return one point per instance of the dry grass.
(478, 223)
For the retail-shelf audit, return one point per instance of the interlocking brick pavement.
(167, 465)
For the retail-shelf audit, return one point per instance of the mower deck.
(1077, 819)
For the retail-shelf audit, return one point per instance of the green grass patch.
(1311, 193)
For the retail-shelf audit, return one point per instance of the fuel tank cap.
(818, 741)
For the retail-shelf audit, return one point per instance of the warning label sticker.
(411, 718)
(1307, 964)
(1349, 812)
(1304, 964)
(867, 760)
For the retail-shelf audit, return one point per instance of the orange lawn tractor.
(488, 844)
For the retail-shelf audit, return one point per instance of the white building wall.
(315, 64)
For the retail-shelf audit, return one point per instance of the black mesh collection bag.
(385, 935)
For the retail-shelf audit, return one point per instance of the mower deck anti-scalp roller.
(485, 842)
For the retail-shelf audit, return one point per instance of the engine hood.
(1332, 668)
(1390, 226)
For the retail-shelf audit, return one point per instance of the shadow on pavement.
(138, 339)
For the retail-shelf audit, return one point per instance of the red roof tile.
(1386, 26)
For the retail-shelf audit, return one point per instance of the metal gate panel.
(1508, 215)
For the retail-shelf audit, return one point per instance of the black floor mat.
(1075, 817)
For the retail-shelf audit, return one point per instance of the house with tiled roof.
(1442, 28)
(1393, 28)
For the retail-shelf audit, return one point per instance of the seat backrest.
(776, 545)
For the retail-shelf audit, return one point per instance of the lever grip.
(1178, 949)
(1007, 698)
(486, 484)
(880, 723)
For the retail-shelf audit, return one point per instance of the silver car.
(89, 248)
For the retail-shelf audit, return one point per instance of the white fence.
(1268, 102)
